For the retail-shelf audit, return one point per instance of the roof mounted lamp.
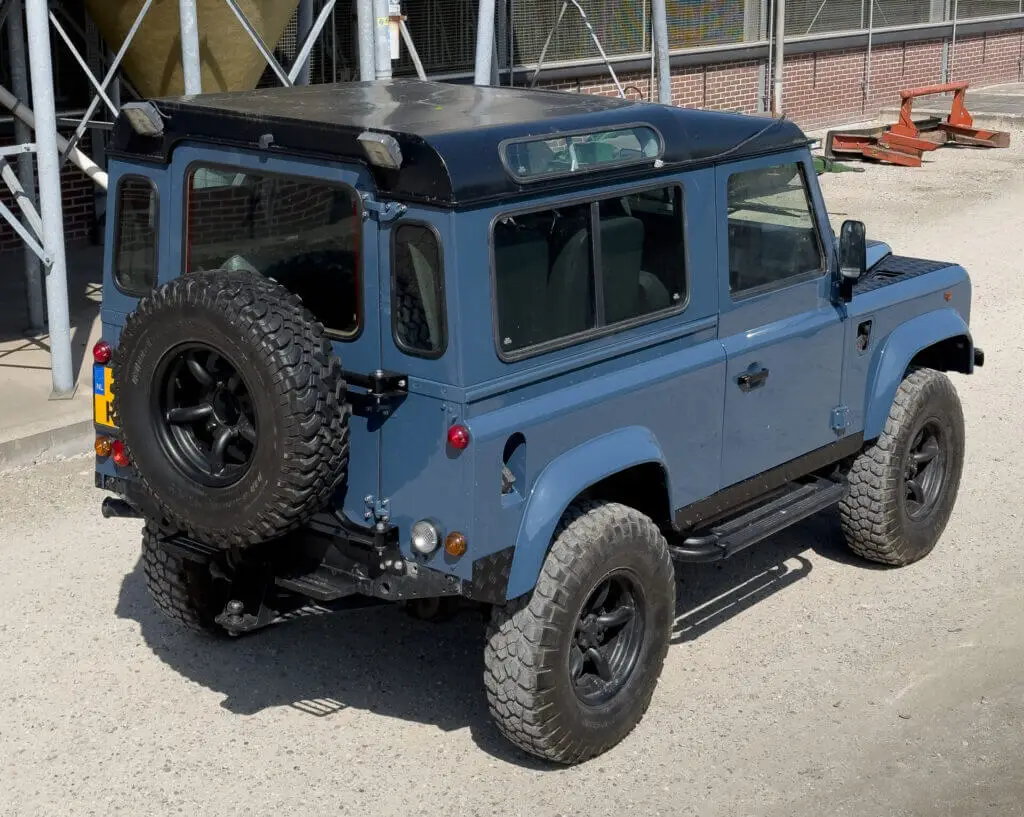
(382, 149)
(144, 118)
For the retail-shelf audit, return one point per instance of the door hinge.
(384, 211)
(377, 509)
(840, 419)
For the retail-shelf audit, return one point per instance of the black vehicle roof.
(449, 134)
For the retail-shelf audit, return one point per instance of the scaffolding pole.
(484, 43)
(367, 61)
(190, 60)
(780, 40)
(660, 16)
(41, 66)
(26, 170)
(382, 38)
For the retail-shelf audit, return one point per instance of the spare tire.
(231, 407)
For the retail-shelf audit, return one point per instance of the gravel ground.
(801, 681)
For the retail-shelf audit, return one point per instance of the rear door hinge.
(378, 509)
(383, 211)
(840, 419)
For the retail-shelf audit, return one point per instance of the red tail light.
(119, 455)
(458, 437)
(102, 352)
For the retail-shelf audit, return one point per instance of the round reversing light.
(425, 537)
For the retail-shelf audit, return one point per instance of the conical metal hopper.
(230, 60)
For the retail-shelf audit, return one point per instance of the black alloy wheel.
(204, 415)
(924, 470)
(608, 639)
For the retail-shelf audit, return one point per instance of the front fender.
(894, 356)
(561, 482)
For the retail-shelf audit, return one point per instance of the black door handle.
(748, 381)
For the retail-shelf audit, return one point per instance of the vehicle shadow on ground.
(381, 660)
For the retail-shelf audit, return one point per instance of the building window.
(304, 234)
(772, 234)
(566, 273)
(136, 239)
(417, 291)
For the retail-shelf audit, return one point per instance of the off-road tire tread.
(308, 380)
(167, 580)
(521, 635)
(869, 514)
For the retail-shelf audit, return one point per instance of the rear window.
(135, 242)
(530, 159)
(417, 291)
(302, 233)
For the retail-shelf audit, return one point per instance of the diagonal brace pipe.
(79, 159)
(111, 72)
(310, 41)
(261, 46)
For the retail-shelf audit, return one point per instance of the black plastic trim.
(741, 494)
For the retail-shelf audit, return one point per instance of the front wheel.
(571, 667)
(904, 485)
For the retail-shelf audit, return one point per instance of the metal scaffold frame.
(39, 220)
(40, 224)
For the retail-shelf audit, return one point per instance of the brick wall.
(828, 87)
(79, 208)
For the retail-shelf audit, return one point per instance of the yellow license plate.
(103, 396)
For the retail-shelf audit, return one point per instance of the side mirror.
(853, 257)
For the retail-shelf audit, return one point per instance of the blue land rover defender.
(415, 342)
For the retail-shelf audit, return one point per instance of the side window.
(302, 233)
(772, 235)
(643, 266)
(417, 291)
(543, 269)
(549, 285)
(135, 241)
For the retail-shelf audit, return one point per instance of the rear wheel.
(904, 485)
(571, 667)
(186, 592)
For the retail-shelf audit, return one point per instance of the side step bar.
(733, 535)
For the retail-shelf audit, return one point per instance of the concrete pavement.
(32, 426)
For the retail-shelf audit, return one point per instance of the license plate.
(103, 396)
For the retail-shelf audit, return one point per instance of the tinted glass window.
(538, 158)
(643, 267)
(304, 234)
(135, 254)
(417, 291)
(772, 236)
(543, 271)
(548, 285)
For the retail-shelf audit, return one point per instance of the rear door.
(782, 334)
(301, 223)
(420, 476)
